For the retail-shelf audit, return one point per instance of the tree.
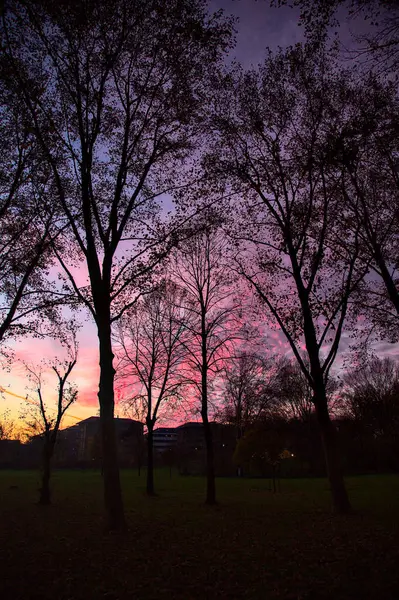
(27, 221)
(271, 126)
(116, 94)
(371, 395)
(369, 411)
(378, 43)
(37, 418)
(366, 147)
(248, 391)
(294, 391)
(7, 427)
(200, 268)
(151, 354)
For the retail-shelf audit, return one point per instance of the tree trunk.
(45, 493)
(333, 465)
(150, 460)
(328, 434)
(239, 434)
(387, 277)
(210, 466)
(210, 461)
(115, 519)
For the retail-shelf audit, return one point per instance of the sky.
(259, 27)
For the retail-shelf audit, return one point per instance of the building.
(191, 452)
(164, 438)
(81, 443)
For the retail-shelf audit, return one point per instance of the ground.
(252, 545)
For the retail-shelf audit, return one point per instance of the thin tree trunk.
(239, 434)
(333, 464)
(115, 519)
(210, 461)
(210, 466)
(150, 461)
(387, 278)
(138, 455)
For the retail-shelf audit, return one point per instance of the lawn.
(252, 545)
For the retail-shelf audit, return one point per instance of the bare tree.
(150, 338)
(272, 127)
(116, 94)
(37, 418)
(371, 395)
(201, 268)
(248, 390)
(294, 392)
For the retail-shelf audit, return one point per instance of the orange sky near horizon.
(33, 351)
(85, 375)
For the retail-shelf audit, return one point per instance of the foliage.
(375, 42)
(28, 223)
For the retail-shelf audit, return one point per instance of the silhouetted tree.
(8, 429)
(376, 42)
(37, 418)
(151, 354)
(272, 127)
(200, 267)
(115, 93)
(371, 395)
(248, 394)
(27, 223)
(365, 147)
(294, 392)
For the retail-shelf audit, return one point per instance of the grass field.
(252, 545)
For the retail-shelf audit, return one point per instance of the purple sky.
(260, 26)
